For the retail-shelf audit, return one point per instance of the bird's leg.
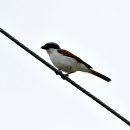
(59, 70)
(68, 74)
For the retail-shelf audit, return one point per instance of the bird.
(68, 62)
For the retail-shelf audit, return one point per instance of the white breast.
(66, 64)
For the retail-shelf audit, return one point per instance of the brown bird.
(68, 62)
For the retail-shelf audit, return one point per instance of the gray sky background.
(32, 96)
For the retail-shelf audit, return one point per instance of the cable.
(65, 77)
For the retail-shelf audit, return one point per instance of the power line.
(65, 77)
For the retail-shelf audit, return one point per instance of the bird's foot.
(59, 70)
(64, 75)
(67, 75)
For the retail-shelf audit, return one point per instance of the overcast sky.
(32, 97)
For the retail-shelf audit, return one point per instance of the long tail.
(100, 75)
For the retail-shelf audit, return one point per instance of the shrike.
(68, 62)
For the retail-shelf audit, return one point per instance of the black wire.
(65, 77)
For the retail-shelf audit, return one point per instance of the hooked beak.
(43, 47)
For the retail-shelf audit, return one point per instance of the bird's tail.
(100, 75)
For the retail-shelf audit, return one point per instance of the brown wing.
(67, 53)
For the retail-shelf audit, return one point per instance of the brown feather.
(100, 75)
(69, 54)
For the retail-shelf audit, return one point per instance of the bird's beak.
(43, 47)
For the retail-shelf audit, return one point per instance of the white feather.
(65, 63)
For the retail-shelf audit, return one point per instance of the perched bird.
(68, 62)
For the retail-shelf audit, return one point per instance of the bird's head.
(50, 45)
